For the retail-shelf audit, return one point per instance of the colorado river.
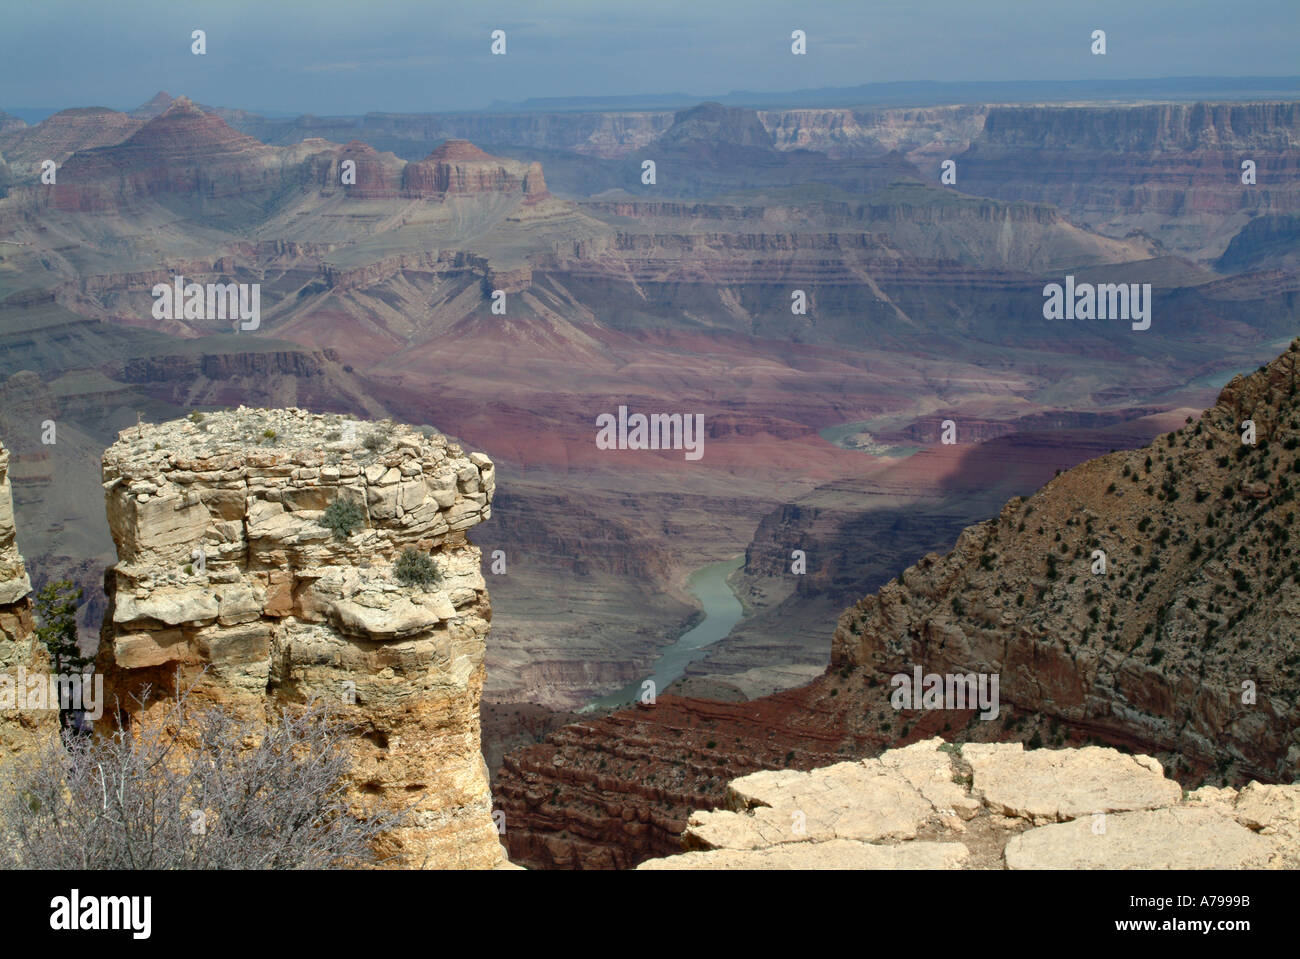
(721, 612)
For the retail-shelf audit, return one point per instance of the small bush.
(414, 568)
(267, 796)
(374, 442)
(341, 517)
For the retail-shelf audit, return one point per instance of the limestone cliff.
(934, 805)
(227, 580)
(21, 729)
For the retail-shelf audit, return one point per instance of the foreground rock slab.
(933, 805)
(835, 854)
(1178, 837)
(1049, 785)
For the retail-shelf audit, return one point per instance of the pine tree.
(56, 612)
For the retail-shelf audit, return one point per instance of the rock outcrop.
(1148, 597)
(228, 584)
(933, 805)
(60, 135)
(22, 729)
(459, 167)
(712, 123)
(410, 135)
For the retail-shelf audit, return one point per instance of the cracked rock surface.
(934, 805)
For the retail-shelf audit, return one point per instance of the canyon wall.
(410, 135)
(924, 135)
(228, 584)
(1156, 127)
(1170, 170)
(21, 730)
(1183, 644)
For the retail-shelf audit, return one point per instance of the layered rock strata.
(1176, 164)
(227, 582)
(22, 729)
(933, 805)
(460, 167)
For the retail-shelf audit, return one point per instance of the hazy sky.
(330, 57)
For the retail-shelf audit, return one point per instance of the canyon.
(822, 428)
(1173, 650)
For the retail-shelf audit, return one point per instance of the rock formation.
(182, 150)
(715, 124)
(411, 135)
(933, 805)
(228, 582)
(459, 167)
(60, 135)
(21, 729)
(9, 123)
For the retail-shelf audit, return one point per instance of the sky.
(328, 57)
